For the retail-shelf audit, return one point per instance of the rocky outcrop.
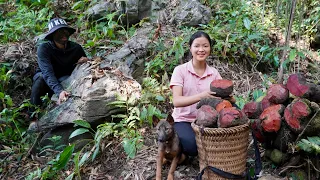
(135, 10)
(130, 58)
(191, 13)
(101, 9)
(91, 90)
(183, 12)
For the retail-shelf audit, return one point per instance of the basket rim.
(196, 128)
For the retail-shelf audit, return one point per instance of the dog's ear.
(155, 121)
(170, 119)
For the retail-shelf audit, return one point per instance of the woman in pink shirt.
(189, 83)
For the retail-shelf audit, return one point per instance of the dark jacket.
(55, 63)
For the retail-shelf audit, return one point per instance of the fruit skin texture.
(207, 116)
(298, 86)
(216, 103)
(297, 114)
(277, 94)
(222, 87)
(229, 117)
(252, 109)
(271, 118)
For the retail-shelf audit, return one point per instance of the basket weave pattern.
(223, 148)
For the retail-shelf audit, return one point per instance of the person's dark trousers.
(39, 88)
(187, 138)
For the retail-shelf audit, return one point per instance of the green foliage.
(98, 33)
(241, 101)
(237, 36)
(32, 3)
(132, 145)
(310, 145)
(258, 95)
(127, 127)
(78, 163)
(165, 57)
(55, 144)
(82, 123)
(55, 165)
(12, 121)
(154, 96)
(24, 23)
(86, 128)
(101, 29)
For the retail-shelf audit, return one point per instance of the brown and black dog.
(169, 148)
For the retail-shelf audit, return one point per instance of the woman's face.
(200, 49)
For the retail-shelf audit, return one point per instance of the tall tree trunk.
(288, 35)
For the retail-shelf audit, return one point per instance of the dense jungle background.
(256, 43)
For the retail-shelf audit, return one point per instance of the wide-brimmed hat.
(56, 24)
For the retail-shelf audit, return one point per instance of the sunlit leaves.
(310, 145)
(247, 23)
(258, 95)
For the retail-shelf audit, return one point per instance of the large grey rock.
(91, 90)
(191, 13)
(135, 10)
(144, 8)
(101, 9)
(159, 11)
(130, 58)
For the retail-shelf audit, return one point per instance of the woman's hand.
(63, 96)
(207, 94)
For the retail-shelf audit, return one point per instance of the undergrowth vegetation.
(241, 32)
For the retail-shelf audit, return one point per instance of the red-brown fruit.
(277, 94)
(207, 116)
(223, 104)
(297, 85)
(216, 103)
(296, 114)
(271, 118)
(229, 117)
(222, 87)
(252, 109)
(265, 103)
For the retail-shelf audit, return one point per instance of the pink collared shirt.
(191, 83)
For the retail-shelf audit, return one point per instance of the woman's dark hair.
(199, 34)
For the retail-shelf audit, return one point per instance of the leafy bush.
(310, 145)
(166, 53)
(23, 23)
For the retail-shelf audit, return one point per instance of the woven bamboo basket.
(223, 148)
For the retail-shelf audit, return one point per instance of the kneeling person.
(57, 58)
